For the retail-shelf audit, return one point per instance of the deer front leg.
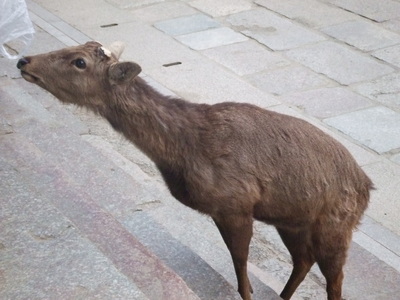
(236, 232)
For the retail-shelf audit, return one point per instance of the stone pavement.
(84, 215)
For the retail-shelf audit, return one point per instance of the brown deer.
(232, 161)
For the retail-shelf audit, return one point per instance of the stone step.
(122, 250)
(143, 213)
(64, 169)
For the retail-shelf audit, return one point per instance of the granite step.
(59, 169)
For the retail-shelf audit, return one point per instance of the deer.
(235, 162)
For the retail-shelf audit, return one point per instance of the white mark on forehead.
(106, 51)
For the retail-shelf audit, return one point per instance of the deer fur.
(235, 162)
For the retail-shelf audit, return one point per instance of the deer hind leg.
(236, 232)
(331, 259)
(299, 245)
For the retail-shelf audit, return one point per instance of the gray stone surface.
(380, 234)
(90, 15)
(327, 102)
(312, 13)
(148, 47)
(192, 80)
(287, 80)
(385, 90)
(212, 75)
(275, 32)
(363, 35)
(371, 9)
(339, 62)
(221, 7)
(239, 57)
(200, 277)
(390, 55)
(359, 274)
(376, 127)
(57, 261)
(129, 4)
(163, 11)
(187, 24)
(211, 38)
(393, 25)
(385, 199)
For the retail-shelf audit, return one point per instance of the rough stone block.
(274, 31)
(129, 4)
(221, 7)
(163, 11)
(393, 25)
(385, 90)
(379, 11)
(311, 13)
(376, 128)
(339, 62)
(286, 80)
(327, 102)
(211, 38)
(390, 55)
(202, 81)
(89, 15)
(363, 35)
(384, 205)
(185, 25)
(246, 58)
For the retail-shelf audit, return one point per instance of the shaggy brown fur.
(231, 161)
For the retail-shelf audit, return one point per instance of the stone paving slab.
(383, 236)
(366, 273)
(339, 62)
(393, 25)
(221, 7)
(89, 15)
(386, 90)
(287, 80)
(192, 80)
(20, 107)
(42, 253)
(54, 25)
(163, 11)
(275, 32)
(148, 48)
(239, 57)
(200, 277)
(311, 13)
(129, 256)
(211, 38)
(187, 24)
(376, 127)
(378, 11)
(384, 205)
(129, 4)
(363, 34)
(390, 55)
(327, 102)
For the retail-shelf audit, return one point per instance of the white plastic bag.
(15, 27)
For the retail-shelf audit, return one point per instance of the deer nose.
(22, 62)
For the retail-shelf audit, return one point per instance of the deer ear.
(123, 72)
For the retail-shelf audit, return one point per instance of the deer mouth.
(29, 77)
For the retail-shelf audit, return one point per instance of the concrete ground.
(85, 215)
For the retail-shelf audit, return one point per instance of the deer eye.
(80, 63)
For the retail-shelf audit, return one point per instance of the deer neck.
(162, 127)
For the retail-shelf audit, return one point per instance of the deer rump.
(233, 161)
